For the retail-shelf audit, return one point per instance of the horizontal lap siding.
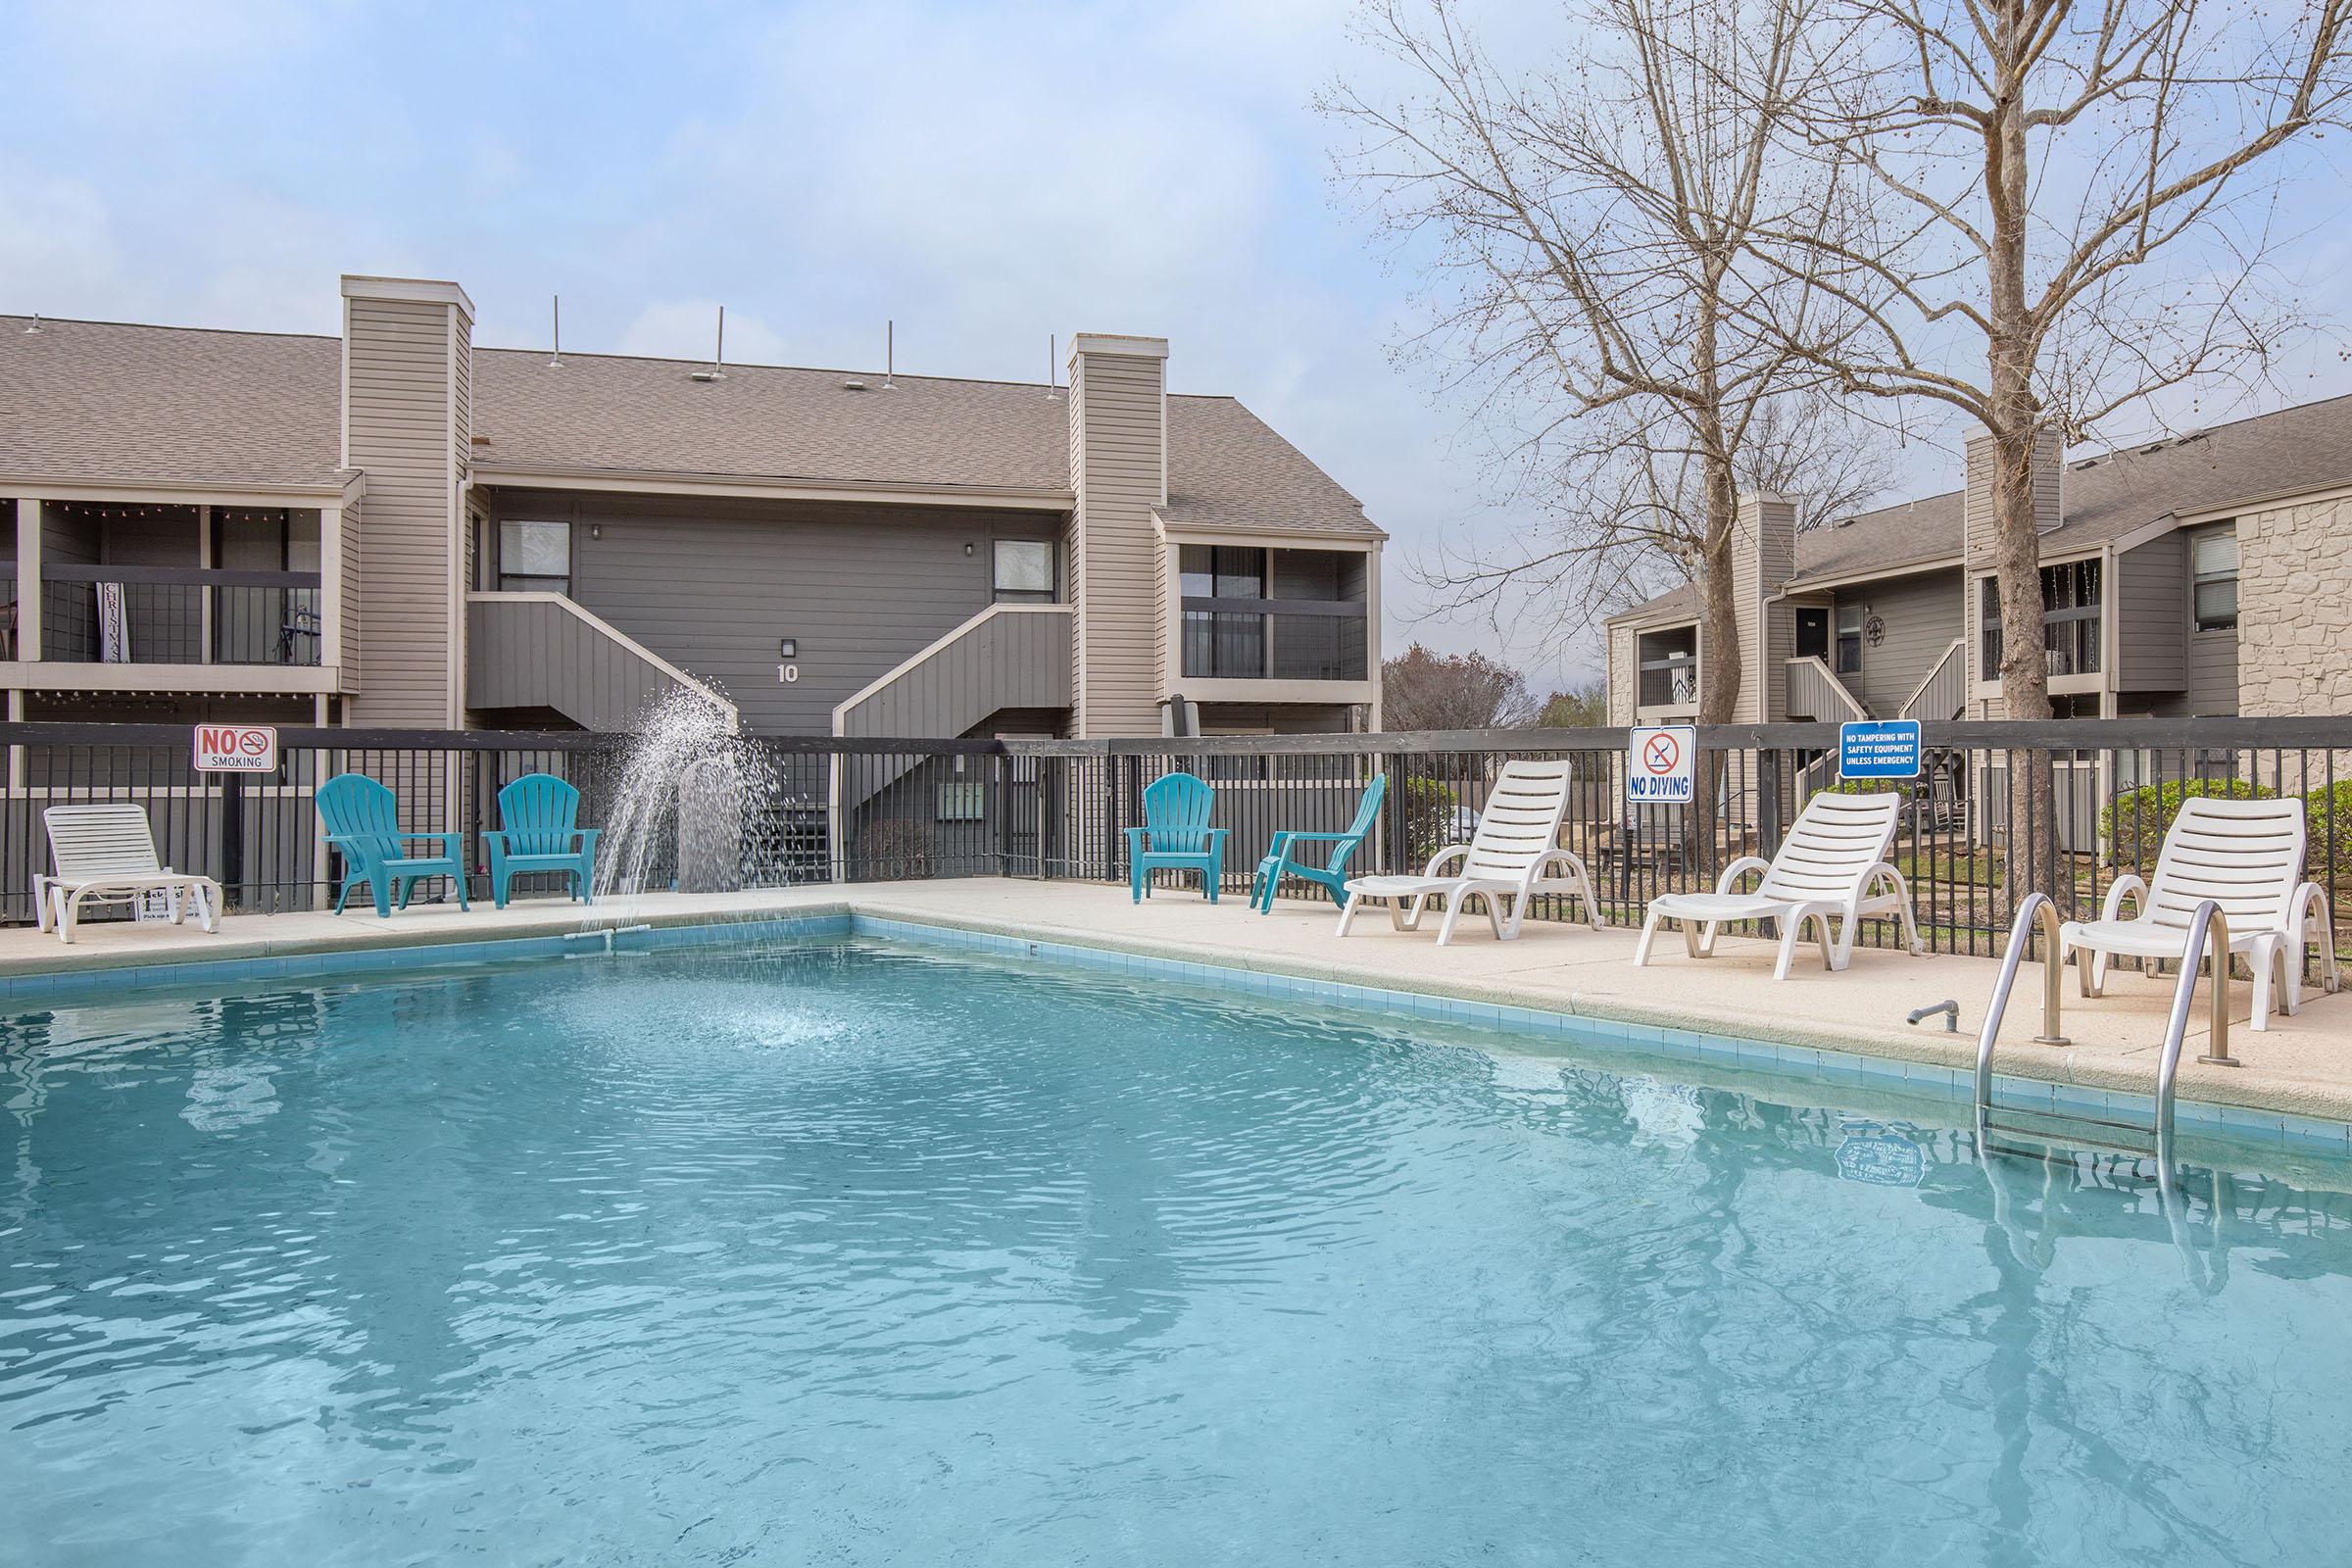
(712, 586)
(1117, 427)
(2212, 674)
(400, 433)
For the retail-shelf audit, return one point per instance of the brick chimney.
(2049, 472)
(407, 347)
(1763, 559)
(1119, 471)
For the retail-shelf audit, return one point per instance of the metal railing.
(2079, 805)
(170, 615)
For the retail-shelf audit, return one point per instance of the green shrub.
(1429, 807)
(1903, 787)
(2326, 817)
(2135, 822)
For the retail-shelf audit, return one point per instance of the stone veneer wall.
(2294, 610)
(1622, 675)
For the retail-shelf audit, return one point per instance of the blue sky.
(985, 175)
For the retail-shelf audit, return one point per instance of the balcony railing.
(2069, 643)
(1275, 639)
(177, 615)
(1669, 683)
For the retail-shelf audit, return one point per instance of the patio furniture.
(535, 834)
(362, 823)
(1828, 868)
(105, 854)
(1331, 876)
(2247, 857)
(1514, 855)
(1176, 835)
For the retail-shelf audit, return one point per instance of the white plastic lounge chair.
(1513, 854)
(1833, 865)
(106, 853)
(2247, 857)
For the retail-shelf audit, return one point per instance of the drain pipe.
(1949, 1009)
(608, 933)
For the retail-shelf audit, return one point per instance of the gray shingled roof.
(2101, 498)
(97, 401)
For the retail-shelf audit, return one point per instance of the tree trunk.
(1721, 670)
(2014, 423)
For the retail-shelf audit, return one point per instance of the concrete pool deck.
(2300, 1067)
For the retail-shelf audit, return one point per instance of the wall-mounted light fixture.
(788, 648)
(967, 547)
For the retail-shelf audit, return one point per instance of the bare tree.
(1420, 689)
(2061, 217)
(1622, 519)
(1584, 232)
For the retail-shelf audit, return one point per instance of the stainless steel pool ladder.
(2206, 926)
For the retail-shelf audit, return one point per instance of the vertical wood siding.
(348, 644)
(712, 585)
(2151, 601)
(399, 423)
(1921, 615)
(1015, 659)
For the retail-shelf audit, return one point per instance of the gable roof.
(2102, 498)
(102, 402)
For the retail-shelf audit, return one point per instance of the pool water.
(854, 1254)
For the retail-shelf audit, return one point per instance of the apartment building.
(2208, 573)
(393, 528)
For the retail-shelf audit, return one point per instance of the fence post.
(232, 836)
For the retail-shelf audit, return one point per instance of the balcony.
(2073, 629)
(1256, 624)
(173, 616)
(1666, 678)
(172, 598)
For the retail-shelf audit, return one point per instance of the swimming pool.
(861, 1252)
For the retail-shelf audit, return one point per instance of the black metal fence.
(821, 810)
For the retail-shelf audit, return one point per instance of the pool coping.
(1844, 1058)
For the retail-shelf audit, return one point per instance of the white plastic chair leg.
(1649, 931)
(1453, 913)
(1701, 938)
(1790, 931)
(1355, 902)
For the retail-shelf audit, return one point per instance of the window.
(1812, 633)
(1849, 639)
(534, 557)
(1024, 572)
(2213, 588)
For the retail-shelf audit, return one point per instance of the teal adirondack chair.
(362, 823)
(535, 816)
(1176, 835)
(1331, 876)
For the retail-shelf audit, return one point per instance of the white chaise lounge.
(2247, 857)
(105, 854)
(1833, 865)
(1513, 855)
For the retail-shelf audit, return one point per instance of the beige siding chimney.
(1763, 559)
(1118, 469)
(2049, 472)
(408, 348)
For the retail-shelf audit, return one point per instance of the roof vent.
(37, 325)
(1842, 523)
(852, 384)
(716, 371)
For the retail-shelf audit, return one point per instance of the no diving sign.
(1658, 764)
